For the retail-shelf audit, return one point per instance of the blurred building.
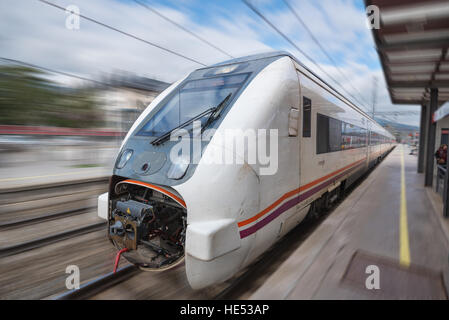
(125, 98)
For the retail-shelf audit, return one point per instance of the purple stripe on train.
(291, 203)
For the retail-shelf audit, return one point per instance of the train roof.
(253, 57)
(273, 54)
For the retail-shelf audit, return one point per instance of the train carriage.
(216, 216)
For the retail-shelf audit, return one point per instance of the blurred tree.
(27, 97)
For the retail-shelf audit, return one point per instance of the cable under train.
(217, 217)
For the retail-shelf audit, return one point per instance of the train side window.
(334, 135)
(322, 134)
(306, 117)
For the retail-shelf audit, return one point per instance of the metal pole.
(374, 95)
(422, 132)
(431, 132)
(437, 184)
(446, 194)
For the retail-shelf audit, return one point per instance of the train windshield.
(191, 99)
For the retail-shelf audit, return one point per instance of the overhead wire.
(126, 33)
(156, 12)
(257, 12)
(317, 42)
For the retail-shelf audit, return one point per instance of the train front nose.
(150, 222)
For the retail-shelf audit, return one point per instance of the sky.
(35, 32)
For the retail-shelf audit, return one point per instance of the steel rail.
(53, 185)
(99, 284)
(28, 194)
(43, 218)
(47, 240)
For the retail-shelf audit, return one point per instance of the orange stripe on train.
(152, 186)
(293, 192)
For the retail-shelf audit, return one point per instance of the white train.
(220, 217)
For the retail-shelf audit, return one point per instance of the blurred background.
(71, 86)
(47, 125)
(76, 74)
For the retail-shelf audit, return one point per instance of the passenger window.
(334, 135)
(322, 134)
(293, 122)
(306, 117)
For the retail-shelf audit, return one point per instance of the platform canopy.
(412, 43)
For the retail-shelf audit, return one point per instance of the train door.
(299, 125)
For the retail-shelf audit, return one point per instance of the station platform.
(386, 240)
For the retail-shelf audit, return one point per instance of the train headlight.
(124, 158)
(225, 69)
(178, 169)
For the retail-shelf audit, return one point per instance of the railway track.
(221, 292)
(45, 228)
(49, 190)
(40, 273)
(100, 284)
(107, 281)
(44, 217)
(28, 199)
(46, 240)
(35, 210)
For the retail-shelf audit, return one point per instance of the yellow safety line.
(404, 255)
(45, 176)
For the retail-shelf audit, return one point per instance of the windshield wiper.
(166, 135)
(215, 113)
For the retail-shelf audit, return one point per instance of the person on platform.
(441, 155)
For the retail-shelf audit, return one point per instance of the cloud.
(34, 32)
(340, 28)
